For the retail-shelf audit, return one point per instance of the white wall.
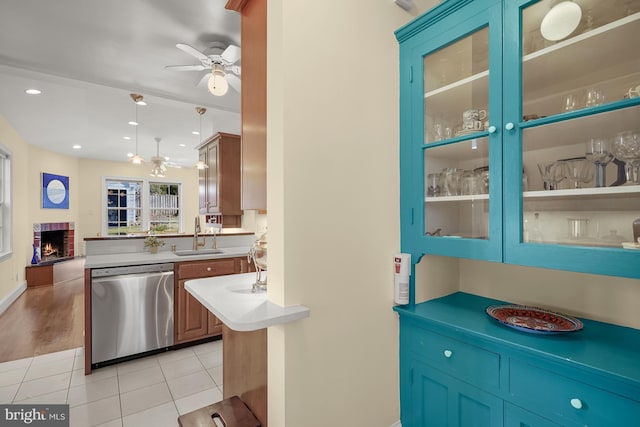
(333, 209)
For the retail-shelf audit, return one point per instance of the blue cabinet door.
(451, 78)
(440, 400)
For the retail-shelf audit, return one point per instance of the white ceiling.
(87, 56)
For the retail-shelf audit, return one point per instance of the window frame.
(145, 208)
(6, 202)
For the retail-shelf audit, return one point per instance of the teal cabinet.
(518, 146)
(459, 367)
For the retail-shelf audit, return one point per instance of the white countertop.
(230, 299)
(138, 258)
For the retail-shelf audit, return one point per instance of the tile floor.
(151, 391)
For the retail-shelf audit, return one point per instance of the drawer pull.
(448, 353)
(576, 403)
(208, 268)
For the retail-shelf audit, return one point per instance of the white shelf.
(583, 192)
(470, 198)
(457, 84)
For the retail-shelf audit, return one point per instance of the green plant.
(153, 242)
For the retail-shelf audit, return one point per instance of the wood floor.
(44, 320)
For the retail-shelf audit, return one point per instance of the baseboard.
(13, 295)
(396, 424)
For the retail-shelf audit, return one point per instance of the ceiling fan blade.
(231, 54)
(235, 69)
(234, 81)
(204, 80)
(185, 67)
(192, 51)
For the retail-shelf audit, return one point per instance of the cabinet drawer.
(193, 270)
(467, 362)
(573, 400)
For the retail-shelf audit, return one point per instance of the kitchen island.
(245, 316)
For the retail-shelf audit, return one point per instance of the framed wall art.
(55, 191)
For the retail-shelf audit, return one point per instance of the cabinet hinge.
(412, 222)
(411, 74)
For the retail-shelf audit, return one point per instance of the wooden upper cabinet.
(254, 101)
(220, 182)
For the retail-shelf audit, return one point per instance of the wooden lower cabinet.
(193, 321)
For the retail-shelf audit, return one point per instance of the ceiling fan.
(159, 164)
(221, 61)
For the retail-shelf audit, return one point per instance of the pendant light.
(201, 110)
(138, 100)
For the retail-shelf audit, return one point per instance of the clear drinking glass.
(578, 171)
(598, 151)
(626, 147)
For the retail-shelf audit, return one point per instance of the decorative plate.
(533, 320)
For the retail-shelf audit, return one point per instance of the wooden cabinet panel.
(220, 182)
(193, 321)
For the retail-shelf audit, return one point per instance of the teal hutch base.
(459, 367)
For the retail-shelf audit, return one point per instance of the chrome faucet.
(196, 242)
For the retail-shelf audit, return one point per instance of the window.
(164, 207)
(137, 205)
(5, 202)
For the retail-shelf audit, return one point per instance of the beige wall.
(12, 268)
(333, 210)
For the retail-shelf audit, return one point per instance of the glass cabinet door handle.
(576, 403)
(491, 129)
(508, 126)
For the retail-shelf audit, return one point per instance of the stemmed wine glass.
(598, 151)
(552, 172)
(626, 147)
(578, 171)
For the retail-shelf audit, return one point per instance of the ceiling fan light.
(137, 160)
(561, 21)
(217, 84)
(201, 165)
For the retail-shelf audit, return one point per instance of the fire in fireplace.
(54, 241)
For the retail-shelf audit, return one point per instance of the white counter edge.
(241, 312)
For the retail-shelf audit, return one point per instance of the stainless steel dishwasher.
(131, 311)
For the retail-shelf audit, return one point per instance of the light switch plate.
(405, 4)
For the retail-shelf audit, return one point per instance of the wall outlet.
(405, 4)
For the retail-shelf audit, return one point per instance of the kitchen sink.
(190, 252)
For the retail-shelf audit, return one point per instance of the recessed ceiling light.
(195, 132)
(77, 147)
(141, 103)
(132, 123)
(33, 91)
(182, 145)
(126, 137)
(129, 154)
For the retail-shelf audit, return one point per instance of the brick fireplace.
(54, 240)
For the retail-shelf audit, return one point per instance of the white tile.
(115, 423)
(7, 393)
(137, 365)
(216, 374)
(95, 413)
(92, 391)
(190, 384)
(49, 357)
(44, 385)
(144, 398)
(57, 397)
(14, 376)
(78, 377)
(138, 379)
(15, 364)
(173, 355)
(181, 367)
(211, 358)
(78, 362)
(198, 400)
(208, 347)
(160, 416)
(53, 367)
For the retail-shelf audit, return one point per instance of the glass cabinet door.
(457, 140)
(578, 125)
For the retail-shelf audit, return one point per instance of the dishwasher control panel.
(132, 269)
